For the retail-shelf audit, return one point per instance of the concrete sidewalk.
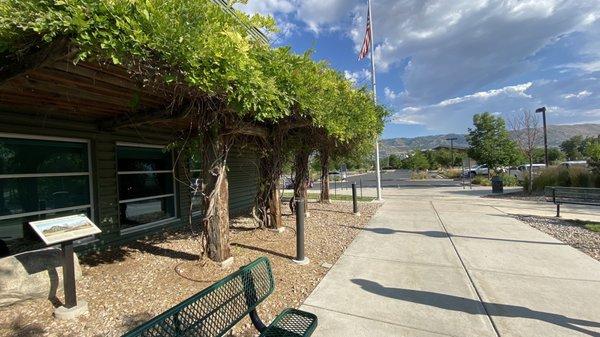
(440, 266)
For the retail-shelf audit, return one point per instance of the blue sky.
(440, 62)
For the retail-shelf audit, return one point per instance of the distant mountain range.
(556, 135)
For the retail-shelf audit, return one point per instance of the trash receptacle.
(497, 185)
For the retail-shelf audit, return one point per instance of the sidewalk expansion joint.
(466, 270)
(378, 320)
(405, 262)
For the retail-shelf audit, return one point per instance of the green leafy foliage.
(576, 147)
(490, 142)
(593, 154)
(575, 176)
(199, 45)
(555, 155)
(418, 161)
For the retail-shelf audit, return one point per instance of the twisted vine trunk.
(267, 200)
(325, 177)
(301, 178)
(215, 222)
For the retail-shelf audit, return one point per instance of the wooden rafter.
(34, 59)
(140, 118)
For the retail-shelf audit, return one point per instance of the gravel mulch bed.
(567, 231)
(129, 285)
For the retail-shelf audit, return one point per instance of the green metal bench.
(572, 195)
(216, 309)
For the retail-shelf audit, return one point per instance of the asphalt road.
(395, 178)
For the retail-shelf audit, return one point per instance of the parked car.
(478, 170)
(522, 171)
(481, 170)
(573, 163)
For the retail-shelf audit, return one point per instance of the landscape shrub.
(560, 176)
(451, 173)
(419, 175)
(509, 180)
(481, 180)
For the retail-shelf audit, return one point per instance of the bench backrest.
(573, 195)
(216, 309)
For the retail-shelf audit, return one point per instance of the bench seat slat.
(291, 323)
(215, 310)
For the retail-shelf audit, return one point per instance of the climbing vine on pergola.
(220, 77)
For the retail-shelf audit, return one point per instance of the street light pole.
(543, 111)
(452, 139)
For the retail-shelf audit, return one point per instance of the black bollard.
(300, 258)
(69, 274)
(354, 201)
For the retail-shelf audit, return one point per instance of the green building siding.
(242, 164)
(243, 180)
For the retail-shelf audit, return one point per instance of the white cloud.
(357, 77)
(514, 90)
(319, 13)
(447, 114)
(456, 47)
(390, 94)
(579, 95)
(442, 57)
(268, 7)
(588, 67)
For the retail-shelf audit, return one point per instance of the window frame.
(89, 174)
(157, 223)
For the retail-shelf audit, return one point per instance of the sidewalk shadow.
(473, 307)
(441, 234)
(262, 250)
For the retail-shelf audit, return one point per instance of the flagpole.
(374, 85)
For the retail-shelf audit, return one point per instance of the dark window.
(40, 179)
(146, 187)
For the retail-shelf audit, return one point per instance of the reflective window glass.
(147, 211)
(26, 195)
(133, 186)
(131, 158)
(142, 176)
(40, 179)
(27, 156)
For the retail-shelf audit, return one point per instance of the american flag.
(367, 42)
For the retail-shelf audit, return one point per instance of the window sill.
(148, 226)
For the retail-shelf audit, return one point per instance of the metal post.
(354, 201)
(300, 257)
(452, 139)
(558, 210)
(462, 174)
(545, 138)
(469, 172)
(543, 111)
(335, 187)
(69, 275)
(374, 86)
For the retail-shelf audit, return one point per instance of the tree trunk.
(267, 198)
(275, 209)
(530, 187)
(215, 220)
(301, 179)
(325, 177)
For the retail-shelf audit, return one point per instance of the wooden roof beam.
(34, 59)
(140, 118)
